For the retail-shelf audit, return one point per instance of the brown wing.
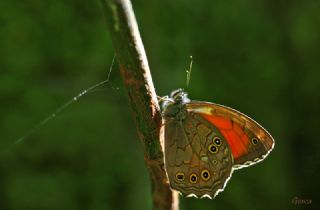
(198, 159)
(249, 141)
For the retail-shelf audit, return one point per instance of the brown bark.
(137, 79)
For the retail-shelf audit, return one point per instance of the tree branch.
(137, 79)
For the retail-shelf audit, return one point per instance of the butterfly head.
(179, 96)
(173, 104)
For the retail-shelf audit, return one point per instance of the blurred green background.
(260, 57)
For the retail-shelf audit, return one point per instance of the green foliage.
(260, 57)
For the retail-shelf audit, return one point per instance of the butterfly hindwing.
(192, 168)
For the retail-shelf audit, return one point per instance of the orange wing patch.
(232, 132)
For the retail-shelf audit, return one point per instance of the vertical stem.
(137, 79)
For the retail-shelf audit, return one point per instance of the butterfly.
(205, 142)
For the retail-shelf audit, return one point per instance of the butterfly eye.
(254, 141)
(217, 141)
(205, 175)
(212, 148)
(193, 178)
(180, 176)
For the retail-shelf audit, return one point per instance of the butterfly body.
(205, 142)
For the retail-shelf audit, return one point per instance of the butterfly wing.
(196, 162)
(248, 141)
(205, 142)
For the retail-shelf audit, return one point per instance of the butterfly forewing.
(249, 141)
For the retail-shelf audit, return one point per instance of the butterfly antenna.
(62, 108)
(189, 72)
